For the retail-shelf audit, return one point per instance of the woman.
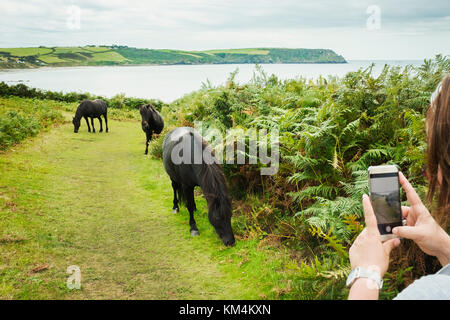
(372, 256)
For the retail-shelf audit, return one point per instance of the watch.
(360, 272)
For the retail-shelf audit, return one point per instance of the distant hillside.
(123, 55)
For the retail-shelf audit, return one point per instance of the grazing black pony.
(189, 161)
(152, 122)
(92, 109)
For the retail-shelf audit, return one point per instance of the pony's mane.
(214, 187)
(78, 115)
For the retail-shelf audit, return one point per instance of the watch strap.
(360, 272)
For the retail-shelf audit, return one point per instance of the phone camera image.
(385, 198)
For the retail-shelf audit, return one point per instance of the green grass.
(96, 49)
(108, 56)
(242, 51)
(51, 59)
(95, 201)
(26, 51)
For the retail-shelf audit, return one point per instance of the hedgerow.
(22, 118)
(118, 101)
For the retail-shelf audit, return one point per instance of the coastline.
(52, 67)
(30, 67)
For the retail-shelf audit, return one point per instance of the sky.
(356, 29)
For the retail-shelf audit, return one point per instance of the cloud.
(201, 24)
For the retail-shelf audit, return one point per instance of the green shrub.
(331, 130)
(118, 101)
(22, 118)
(155, 146)
(15, 127)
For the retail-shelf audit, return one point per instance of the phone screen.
(385, 197)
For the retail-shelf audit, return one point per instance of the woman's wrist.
(364, 289)
(444, 254)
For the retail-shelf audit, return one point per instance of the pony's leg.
(92, 122)
(149, 138)
(175, 187)
(87, 122)
(101, 125)
(146, 142)
(189, 192)
(106, 122)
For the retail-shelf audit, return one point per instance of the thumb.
(407, 232)
(390, 244)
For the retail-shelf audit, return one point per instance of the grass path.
(95, 201)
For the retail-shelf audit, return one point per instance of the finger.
(369, 215)
(407, 232)
(411, 194)
(390, 244)
(363, 233)
(405, 211)
(360, 236)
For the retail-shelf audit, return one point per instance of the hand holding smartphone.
(384, 188)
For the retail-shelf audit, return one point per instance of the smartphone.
(384, 188)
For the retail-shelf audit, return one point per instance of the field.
(97, 202)
(242, 51)
(119, 55)
(27, 51)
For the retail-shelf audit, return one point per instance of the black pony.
(152, 122)
(189, 161)
(92, 109)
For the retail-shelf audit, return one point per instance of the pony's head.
(215, 189)
(76, 124)
(220, 217)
